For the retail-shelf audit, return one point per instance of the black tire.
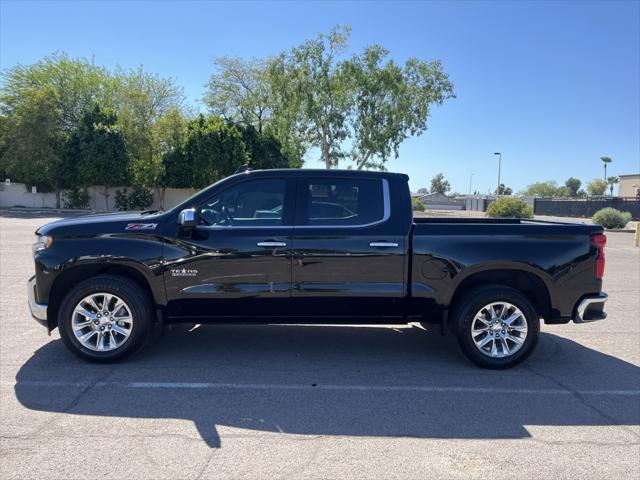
(135, 298)
(467, 308)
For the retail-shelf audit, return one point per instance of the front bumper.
(591, 308)
(38, 310)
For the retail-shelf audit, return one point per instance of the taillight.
(599, 240)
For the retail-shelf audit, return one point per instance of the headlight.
(42, 242)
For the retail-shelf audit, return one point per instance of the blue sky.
(552, 85)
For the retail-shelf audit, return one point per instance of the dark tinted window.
(343, 202)
(252, 203)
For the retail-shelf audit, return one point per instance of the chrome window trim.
(386, 214)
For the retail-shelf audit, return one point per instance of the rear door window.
(342, 202)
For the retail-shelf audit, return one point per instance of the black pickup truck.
(313, 246)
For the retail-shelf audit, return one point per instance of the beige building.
(629, 185)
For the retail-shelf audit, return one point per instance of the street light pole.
(470, 180)
(499, 167)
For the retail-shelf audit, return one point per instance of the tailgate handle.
(383, 244)
(272, 244)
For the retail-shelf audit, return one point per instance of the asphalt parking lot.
(319, 402)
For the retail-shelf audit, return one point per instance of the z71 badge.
(141, 226)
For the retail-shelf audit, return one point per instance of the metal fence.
(585, 207)
(565, 207)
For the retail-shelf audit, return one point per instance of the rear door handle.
(272, 244)
(383, 244)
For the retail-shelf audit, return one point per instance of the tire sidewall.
(129, 293)
(478, 299)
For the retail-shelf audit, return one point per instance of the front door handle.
(272, 244)
(383, 244)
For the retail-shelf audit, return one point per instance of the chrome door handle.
(383, 244)
(272, 244)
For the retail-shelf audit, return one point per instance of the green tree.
(605, 162)
(42, 104)
(212, 149)
(503, 190)
(596, 187)
(4, 132)
(439, 184)
(241, 91)
(390, 102)
(142, 100)
(169, 133)
(75, 85)
(313, 96)
(572, 187)
(310, 92)
(238, 90)
(170, 130)
(264, 150)
(176, 171)
(542, 189)
(33, 141)
(611, 182)
(98, 146)
(290, 134)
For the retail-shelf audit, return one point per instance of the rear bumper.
(38, 310)
(591, 308)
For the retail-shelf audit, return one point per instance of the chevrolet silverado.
(313, 246)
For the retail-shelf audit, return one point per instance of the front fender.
(81, 258)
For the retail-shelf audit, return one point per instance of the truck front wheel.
(496, 326)
(104, 318)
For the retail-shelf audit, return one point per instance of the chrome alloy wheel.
(102, 322)
(499, 329)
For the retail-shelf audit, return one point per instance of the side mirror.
(188, 218)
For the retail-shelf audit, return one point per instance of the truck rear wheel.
(496, 326)
(104, 318)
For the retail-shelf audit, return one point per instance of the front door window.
(249, 204)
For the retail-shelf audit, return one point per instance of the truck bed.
(558, 257)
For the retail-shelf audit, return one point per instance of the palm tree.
(611, 181)
(605, 160)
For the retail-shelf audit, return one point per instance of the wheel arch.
(74, 275)
(530, 284)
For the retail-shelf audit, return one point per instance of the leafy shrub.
(76, 198)
(139, 199)
(416, 204)
(122, 200)
(509, 208)
(611, 218)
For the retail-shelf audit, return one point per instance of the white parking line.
(330, 387)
